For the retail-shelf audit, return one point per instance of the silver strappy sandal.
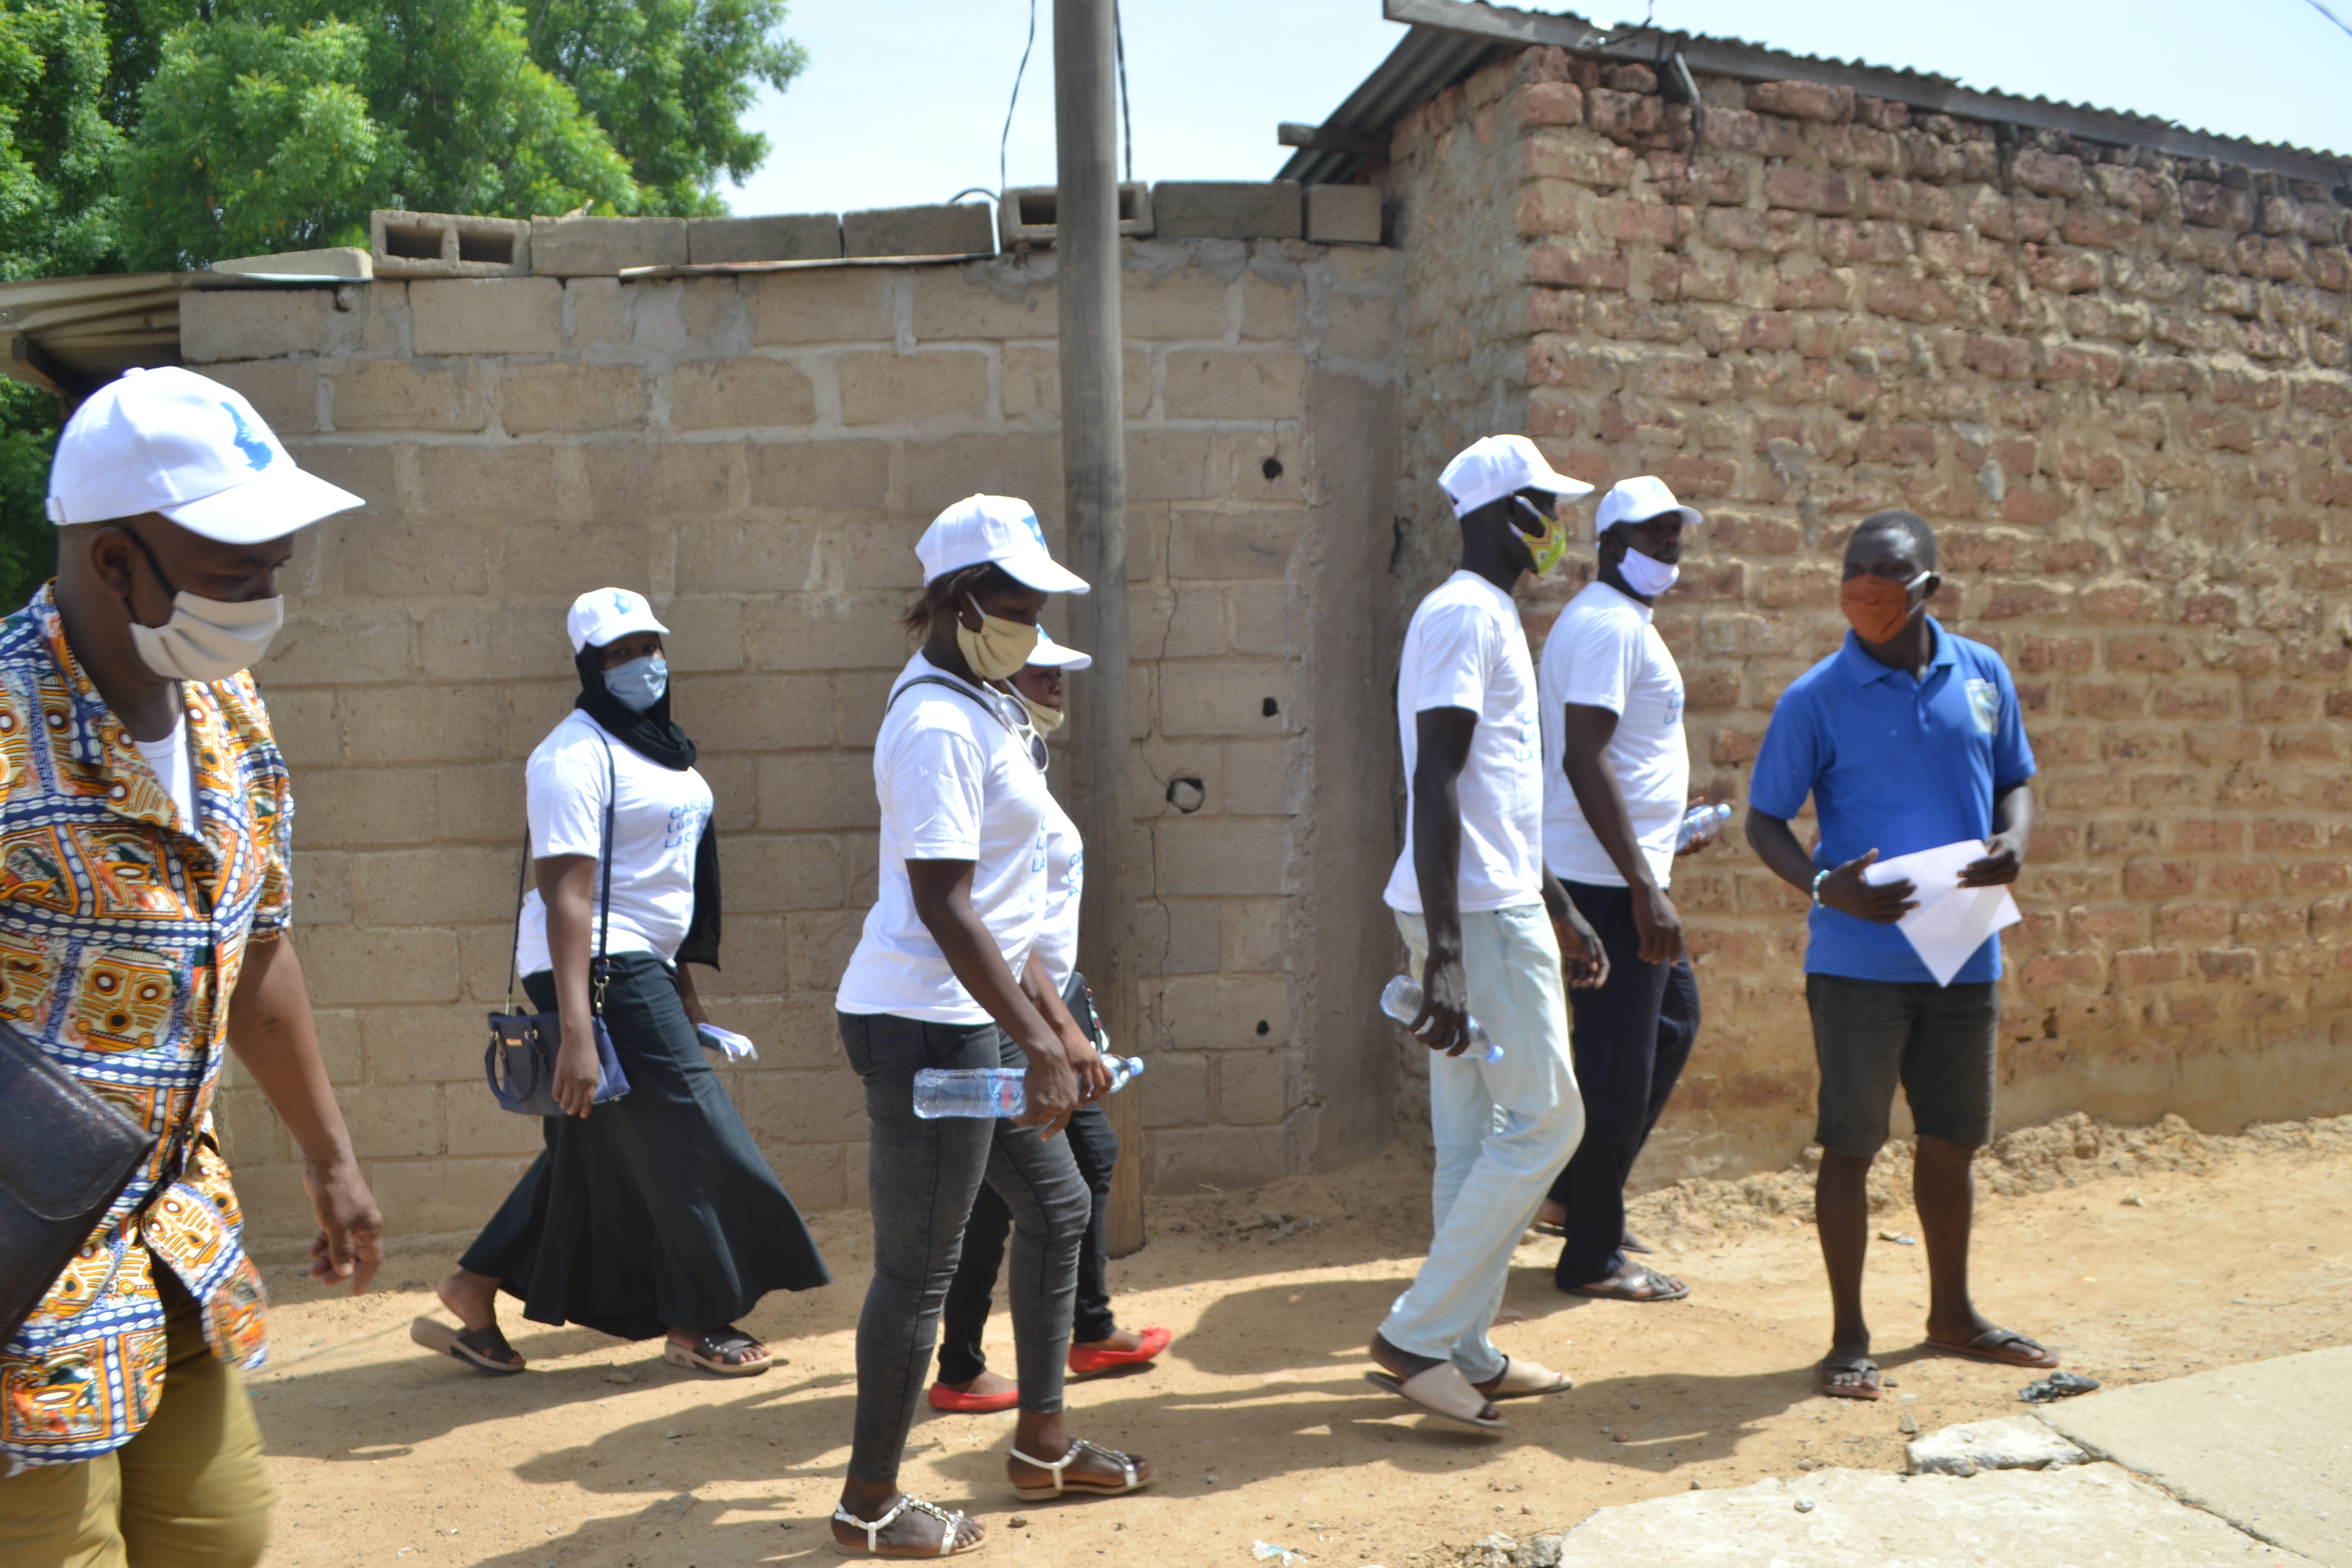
(1060, 1487)
(874, 1528)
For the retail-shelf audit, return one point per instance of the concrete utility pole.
(1094, 495)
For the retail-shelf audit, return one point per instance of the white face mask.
(209, 639)
(1647, 578)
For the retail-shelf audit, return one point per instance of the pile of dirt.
(2067, 1152)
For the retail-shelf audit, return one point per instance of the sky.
(903, 101)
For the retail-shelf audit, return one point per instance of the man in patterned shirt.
(145, 887)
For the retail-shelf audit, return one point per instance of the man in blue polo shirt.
(1908, 738)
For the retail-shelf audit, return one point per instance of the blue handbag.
(521, 1060)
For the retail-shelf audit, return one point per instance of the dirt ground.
(2139, 1255)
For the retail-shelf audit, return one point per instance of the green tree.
(671, 80)
(58, 207)
(253, 139)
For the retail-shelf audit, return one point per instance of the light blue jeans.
(1503, 1129)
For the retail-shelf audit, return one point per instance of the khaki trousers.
(190, 1492)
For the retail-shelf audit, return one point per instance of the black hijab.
(652, 736)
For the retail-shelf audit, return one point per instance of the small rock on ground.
(2019, 1443)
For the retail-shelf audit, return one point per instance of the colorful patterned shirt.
(122, 929)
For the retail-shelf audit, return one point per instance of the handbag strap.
(596, 970)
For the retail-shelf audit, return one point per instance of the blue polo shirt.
(1896, 765)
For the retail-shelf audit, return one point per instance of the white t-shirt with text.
(1466, 648)
(1604, 652)
(955, 782)
(659, 816)
(1066, 880)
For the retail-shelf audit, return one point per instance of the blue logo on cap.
(1036, 529)
(620, 600)
(257, 450)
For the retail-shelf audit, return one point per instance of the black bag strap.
(596, 969)
(992, 704)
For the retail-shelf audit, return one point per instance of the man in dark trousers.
(1616, 784)
(1908, 738)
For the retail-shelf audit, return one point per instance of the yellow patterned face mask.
(1549, 546)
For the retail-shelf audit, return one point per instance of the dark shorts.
(1942, 1042)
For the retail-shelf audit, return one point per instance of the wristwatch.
(1818, 877)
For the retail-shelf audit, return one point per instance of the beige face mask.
(1045, 720)
(1000, 648)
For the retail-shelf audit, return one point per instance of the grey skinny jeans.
(921, 1177)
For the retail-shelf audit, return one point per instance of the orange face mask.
(1878, 608)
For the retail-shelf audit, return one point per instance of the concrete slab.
(2020, 1443)
(2267, 1446)
(2092, 1516)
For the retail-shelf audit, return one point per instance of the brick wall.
(758, 454)
(2115, 382)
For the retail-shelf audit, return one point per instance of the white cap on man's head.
(1638, 500)
(999, 528)
(170, 440)
(600, 615)
(1054, 656)
(1493, 466)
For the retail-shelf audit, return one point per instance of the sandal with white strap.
(1128, 1482)
(948, 1546)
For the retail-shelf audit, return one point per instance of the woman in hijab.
(653, 1213)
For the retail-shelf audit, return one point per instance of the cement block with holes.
(1026, 215)
(965, 229)
(1343, 215)
(1228, 209)
(336, 261)
(779, 236)
(602, 246)
(447, 245)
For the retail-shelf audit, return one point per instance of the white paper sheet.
(1951, 921)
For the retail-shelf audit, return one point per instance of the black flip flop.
(1656, 1281)
(484, 1350)
(1871, 1389)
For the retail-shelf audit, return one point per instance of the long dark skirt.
(657, 1210)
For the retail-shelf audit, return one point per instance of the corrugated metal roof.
(1413, 74)
(72, 336)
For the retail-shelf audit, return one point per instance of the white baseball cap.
(1053, 654)
(1493, 466)
(997, 529)
(170, 440)
(1639, 500)
(600, 615)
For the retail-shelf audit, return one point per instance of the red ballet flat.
(1084, 1360)
(957, 1403)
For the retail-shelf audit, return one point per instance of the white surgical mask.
(209, 639)
(638, 684)
(1647, 578)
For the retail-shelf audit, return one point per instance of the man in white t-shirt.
(1616, 784)
(1487, 926)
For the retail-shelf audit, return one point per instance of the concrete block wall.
(2117, 385)
(759, 453)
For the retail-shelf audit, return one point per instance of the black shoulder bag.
(521, 1060)
(66, 1154)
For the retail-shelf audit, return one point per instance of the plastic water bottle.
(1701, 819)
(1400, 1000)
(993, 1092)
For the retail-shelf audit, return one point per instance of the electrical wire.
(2331, 16)
(1006, 135)
(1126, 108)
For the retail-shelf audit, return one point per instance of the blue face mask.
(638, 684)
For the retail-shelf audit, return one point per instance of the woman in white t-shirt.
(946, 975)
(965, 1384)
(653, 1213)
